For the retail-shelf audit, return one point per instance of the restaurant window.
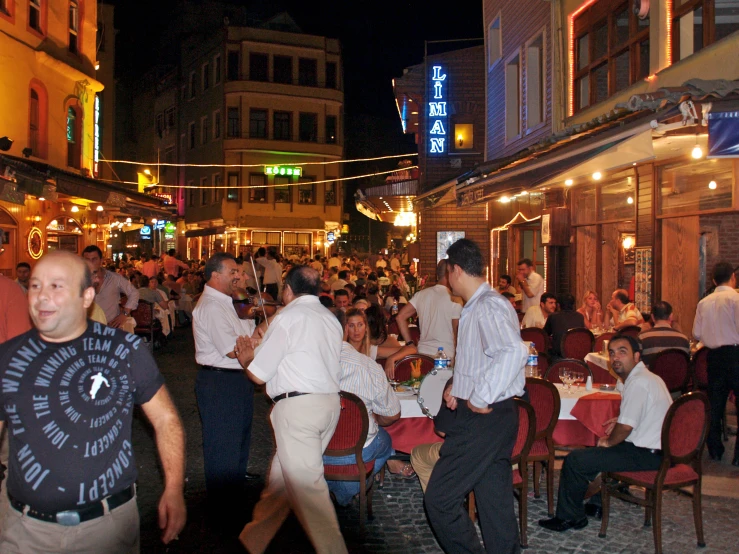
(617, 197)
(233, 70)
(330, 192)
(495, 42)
(74, 26)
(204, 192)
(192, 135)
(7, 8)
(233, 130)
(205, 76)
(258, 67)
(191, 86)
(282, 190)
(535, 82)
(217, 69)
(611, 50)
(583, 198)
(331, 74)
(464, 136)
(216, 124)
(257, 123)
(698, 23)
(282, 125)
(696, 186)
(191, 194)
(258, 194)
(513, 97)
(331, 129)
(37, 120)
(282, 69)
(217, 190)
(307, 72)
(306, 191)
(265, 238)
(74, 126)
(308, 131)
(232, 192)
(35, 13)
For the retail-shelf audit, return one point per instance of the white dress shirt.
(534, 317)
(109, 295)
(301, 350)
(717, 318)
(215, 327)
(272, 270)
(491, 356)
(436, 311)
(536, 285)
(644, 404)
(362, 376)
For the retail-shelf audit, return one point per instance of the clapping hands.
(245, 347)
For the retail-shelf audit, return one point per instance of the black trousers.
(226, 405)
(582, 466)
(723, 376)
(476, 456)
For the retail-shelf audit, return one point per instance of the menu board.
(643, 279)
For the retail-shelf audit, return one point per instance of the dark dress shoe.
(252, 476)
(559, 525)
(735, 461)
(594, 511)
(715, 456)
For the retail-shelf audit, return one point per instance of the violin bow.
(259, 290)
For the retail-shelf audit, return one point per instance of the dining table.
(600, 366)
(413, 428)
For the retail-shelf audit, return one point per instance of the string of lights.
(295, 184)
(170, 164)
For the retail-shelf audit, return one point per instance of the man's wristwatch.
(410, 343)
(127, 313)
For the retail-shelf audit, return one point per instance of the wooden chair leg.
(537, 478)
(471, 509)
(657, 524)
(523, 516)
(370, 494)
(362, 504)
(550, 485)
(649, 508)
(605, 506)
(698, 513)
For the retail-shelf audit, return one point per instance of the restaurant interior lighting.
(147, 172)
(128, 220)
(75, 209)
(504, 200)
(628, 242)
(154, 221)
(697, 152)
(100, 208)
(597, 176)
(41, 198)
(629, 200)
(712, 185)
(569, 182)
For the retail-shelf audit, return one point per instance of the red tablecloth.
(601, 375)
(569, 432)
(412, 431)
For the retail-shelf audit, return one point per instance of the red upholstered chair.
(631, 330)
(683, 438)
(403, 366)
(673, 365)
(537, 336)
(415, 334)
(700, 369)
(577, 342)
(598, 346)
(544, 362)
(349, 438)
(544, 398)
(524, 440)
(147, 325)
(552, 374)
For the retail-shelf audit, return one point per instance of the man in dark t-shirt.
(560, 322)
(67, 391)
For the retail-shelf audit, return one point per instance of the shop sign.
(145, 232)
(283, 170)
(330, 236)
(170, 228)
(35, 243)
(159, 225)
(438, 120)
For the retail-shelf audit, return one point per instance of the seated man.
(362, 376)
(662, 336)
(633, 441)
(623, 312)
(504, 285)
(559, 323)
(536, 316)
(342, 300)
(148, 291)
(512, 299)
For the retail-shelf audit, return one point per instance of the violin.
(249, 306)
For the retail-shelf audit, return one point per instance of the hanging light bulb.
(629, 200)
(697, 152)
(597, 176)
(75, 209)
(712, 185)
(100, 208)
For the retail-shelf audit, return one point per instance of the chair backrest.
(672, 365)
(403, 366)
(544, 362)
(537, 336)
(598, 346)
(143, 314)
(576, 365)
(700, 368)
(685, 429)
(351, 431)
(577, 342)
(415, 334)
(544, 398)
(526, 433)
(631, 330)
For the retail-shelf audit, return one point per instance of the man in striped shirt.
(476, 454)
(662, 336)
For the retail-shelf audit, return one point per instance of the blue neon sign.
(437, 118)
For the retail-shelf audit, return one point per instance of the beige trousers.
(423, 460)
(303, 427)
(116, 532)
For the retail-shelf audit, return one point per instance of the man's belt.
(656, 451)
(75, 517)
(213, 368)
(284, 395)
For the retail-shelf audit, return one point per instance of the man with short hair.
(511, 298)
(662, 336)
(172, 265)
(22, 275)
(342, 299)
(341, 282)
(536, 316)
(108, 293)
(532, 284)
(79, 381)
(395, 262)
(717, 326)
(150, 267)
(272, 272)
(334, 261)
(623, 312)
(633, 441)
(504, 285)
(438, 317)
(560, 322)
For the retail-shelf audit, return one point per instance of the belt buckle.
(68, 518)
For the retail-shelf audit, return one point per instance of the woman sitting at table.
(591, 310)
(393, 295)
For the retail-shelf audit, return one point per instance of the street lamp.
(5, 143)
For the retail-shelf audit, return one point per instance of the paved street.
(400, 524)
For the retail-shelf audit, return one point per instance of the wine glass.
(579, 378)
(564, 376)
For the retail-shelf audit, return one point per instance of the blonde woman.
(591, 310)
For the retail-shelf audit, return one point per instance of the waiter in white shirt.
(225, 395)
(299, 359)
(476, 454)
(717, 326)
(272, 272)
(532, 284)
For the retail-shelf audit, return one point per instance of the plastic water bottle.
(532, 363)
(394, 310)
(441, 361)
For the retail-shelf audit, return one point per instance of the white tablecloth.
(409, 404)
(568, 399)
(601, 360)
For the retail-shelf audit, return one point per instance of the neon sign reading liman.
(282, 170)
(438, 113)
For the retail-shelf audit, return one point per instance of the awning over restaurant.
(205, 232)
(282, 223)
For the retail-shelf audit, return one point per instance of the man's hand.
(603, 442)
(172, 515)
(244, 349)
(118, 321)
(451, 401)
(477, 410)
(390, 368)
(609, 425)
